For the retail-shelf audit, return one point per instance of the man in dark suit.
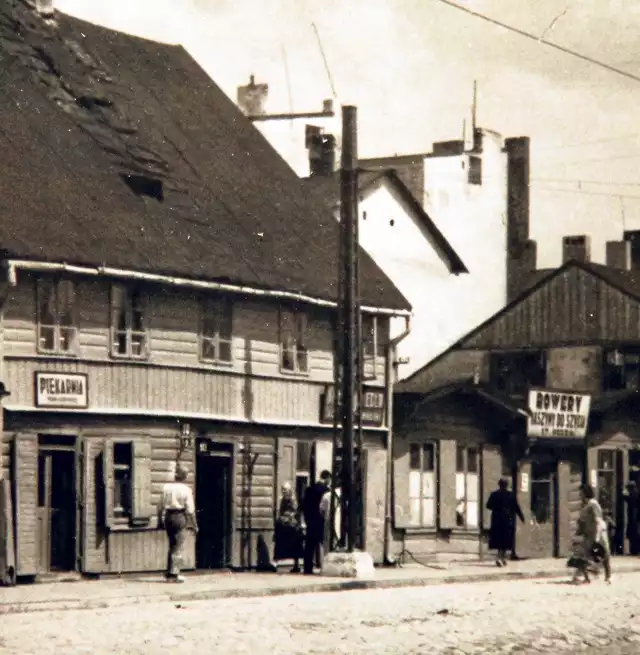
(315, 512)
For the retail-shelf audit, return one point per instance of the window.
(128, 325)
(294, 357)
(514, 373)
(606, 481)
(216, 330)
(475, 170)
(372, 345)
(467, 486)
(633, 236)
(422, 484)
(56, 316)
(621, 369)
(303, 468)
(542, 476)
(122, 479)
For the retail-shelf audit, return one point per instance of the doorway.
(214, 478)
(56, 515)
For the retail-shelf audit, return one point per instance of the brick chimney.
(322, 151)
(619, 254)
(576, 247)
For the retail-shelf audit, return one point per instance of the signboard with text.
(61, 390)
(558, 414)
(373, 401)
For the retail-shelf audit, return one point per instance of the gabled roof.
(328, 189)
(627, 282)
(86, 113)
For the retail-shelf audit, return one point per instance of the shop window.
(621, 369)
(606, 489)
(373, 345)
(57, 327)
(513, 373)
(122, 479)
(294, 356)
(216, 320)
(541, 504)
(128, 322)
(467, 487)
(422, 485)
(304, 464)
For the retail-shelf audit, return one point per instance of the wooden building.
(167, 295)
(461, 422)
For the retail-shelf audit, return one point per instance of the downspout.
(389, 380)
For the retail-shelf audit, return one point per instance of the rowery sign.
(558, 414)
(68, 390)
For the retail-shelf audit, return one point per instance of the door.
(214, 477)
(56, 515)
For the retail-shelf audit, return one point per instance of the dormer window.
(128, 322)
(57, 329)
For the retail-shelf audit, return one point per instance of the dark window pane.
(605, 459)
(460, 464)
(428, 457)
(208, 349)
(541, 500)
(47, 338)
(472, 460)
(303, 463)
(414, 457)
(225, 351)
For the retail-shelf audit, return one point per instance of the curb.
(220, 594)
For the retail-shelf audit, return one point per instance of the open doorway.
(214, 484)
(56, 514)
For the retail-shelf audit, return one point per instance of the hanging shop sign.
(373, 401)
(558, 414)
(61, 390)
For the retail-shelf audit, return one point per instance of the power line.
(565, 180)
(324, 58)
(588, 193)
(584, 144)
(543, 41)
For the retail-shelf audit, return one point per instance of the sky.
(409, 67)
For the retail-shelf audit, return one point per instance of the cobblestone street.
(546, 616)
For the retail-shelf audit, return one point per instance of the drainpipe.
(389, 375)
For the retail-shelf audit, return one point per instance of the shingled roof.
(122, 152)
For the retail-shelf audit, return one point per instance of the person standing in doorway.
(504, 508)
(315, 509)
(632, 500)
(177, 516)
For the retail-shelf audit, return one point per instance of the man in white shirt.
(177, 515)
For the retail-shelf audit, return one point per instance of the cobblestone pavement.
(547, 616)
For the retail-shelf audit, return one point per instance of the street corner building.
(168, 295)
(545, 394)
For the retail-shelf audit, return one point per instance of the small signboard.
(558, 414)
(373, 401)
(524, 482)
(61, 390)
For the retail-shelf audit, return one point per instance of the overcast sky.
(409, 66)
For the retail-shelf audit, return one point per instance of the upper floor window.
(216, 330)
(56, 316)
(372, 345)
(515, 372)
(467, 486)
(294, 356)
(621, 369)
(422, 484)
(128, 323)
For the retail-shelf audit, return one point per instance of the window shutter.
(491, 474)
(375, 502)
(287, 460)
(107, 482)
(25, 468)
(324, 457)
(447, 484)
(142, 509)
(592, 468)
(7, 547)
(400, 495)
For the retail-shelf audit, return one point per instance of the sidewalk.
(133, 590)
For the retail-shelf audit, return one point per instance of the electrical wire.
(543, 41)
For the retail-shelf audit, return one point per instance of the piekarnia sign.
(61, 390)
(557, 414)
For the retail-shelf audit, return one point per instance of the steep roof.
(87, 114)
(328, 188)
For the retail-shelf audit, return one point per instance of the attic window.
(142, 185)
(475, 170)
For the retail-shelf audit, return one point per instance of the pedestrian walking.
(504, 508)
(591, 546)
(289, 531)
(632, 501)
(177, 516)
(315, 509)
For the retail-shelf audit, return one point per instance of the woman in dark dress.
(504, 508)
(289, 531)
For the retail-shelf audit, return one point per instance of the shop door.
(539, 538)
(214, 474)
(56, 514)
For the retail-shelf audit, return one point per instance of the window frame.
(295, 344)
(422, 446)
(121, 514)
(127, 293)
(609, 368)
(223, 313)
(57, 326)
(462, 468)
(373, 348)
(503, 364)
